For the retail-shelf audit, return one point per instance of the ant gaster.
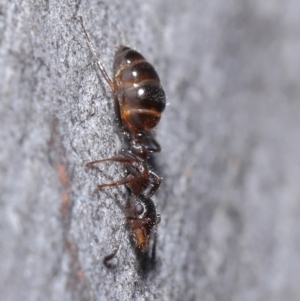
(139, 101)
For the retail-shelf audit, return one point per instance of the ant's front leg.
(153, 253)
(124, 181)
(125, 160)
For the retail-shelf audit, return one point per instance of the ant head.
(142, 219)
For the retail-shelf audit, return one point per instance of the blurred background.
(230, 137)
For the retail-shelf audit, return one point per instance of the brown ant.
(139, 101)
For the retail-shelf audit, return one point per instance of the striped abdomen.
(140, 95)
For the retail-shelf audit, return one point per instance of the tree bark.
(230, 196)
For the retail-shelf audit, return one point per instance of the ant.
(139, 102)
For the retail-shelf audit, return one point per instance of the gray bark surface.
(230, 197)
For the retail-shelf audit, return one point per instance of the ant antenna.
(98, 62)
(109, 257)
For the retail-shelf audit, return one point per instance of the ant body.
(139, 101)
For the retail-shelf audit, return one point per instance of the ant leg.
(98, 62)
(153, 254)
(118, 183)
(118, 117)
(157, 147)
(105, 75)
(113, 159)
(127, 159)
(156, 180)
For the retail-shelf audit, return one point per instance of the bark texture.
(230, 198)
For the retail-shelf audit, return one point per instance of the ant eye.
(139, 209)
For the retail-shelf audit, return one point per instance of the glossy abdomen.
(140, 95)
